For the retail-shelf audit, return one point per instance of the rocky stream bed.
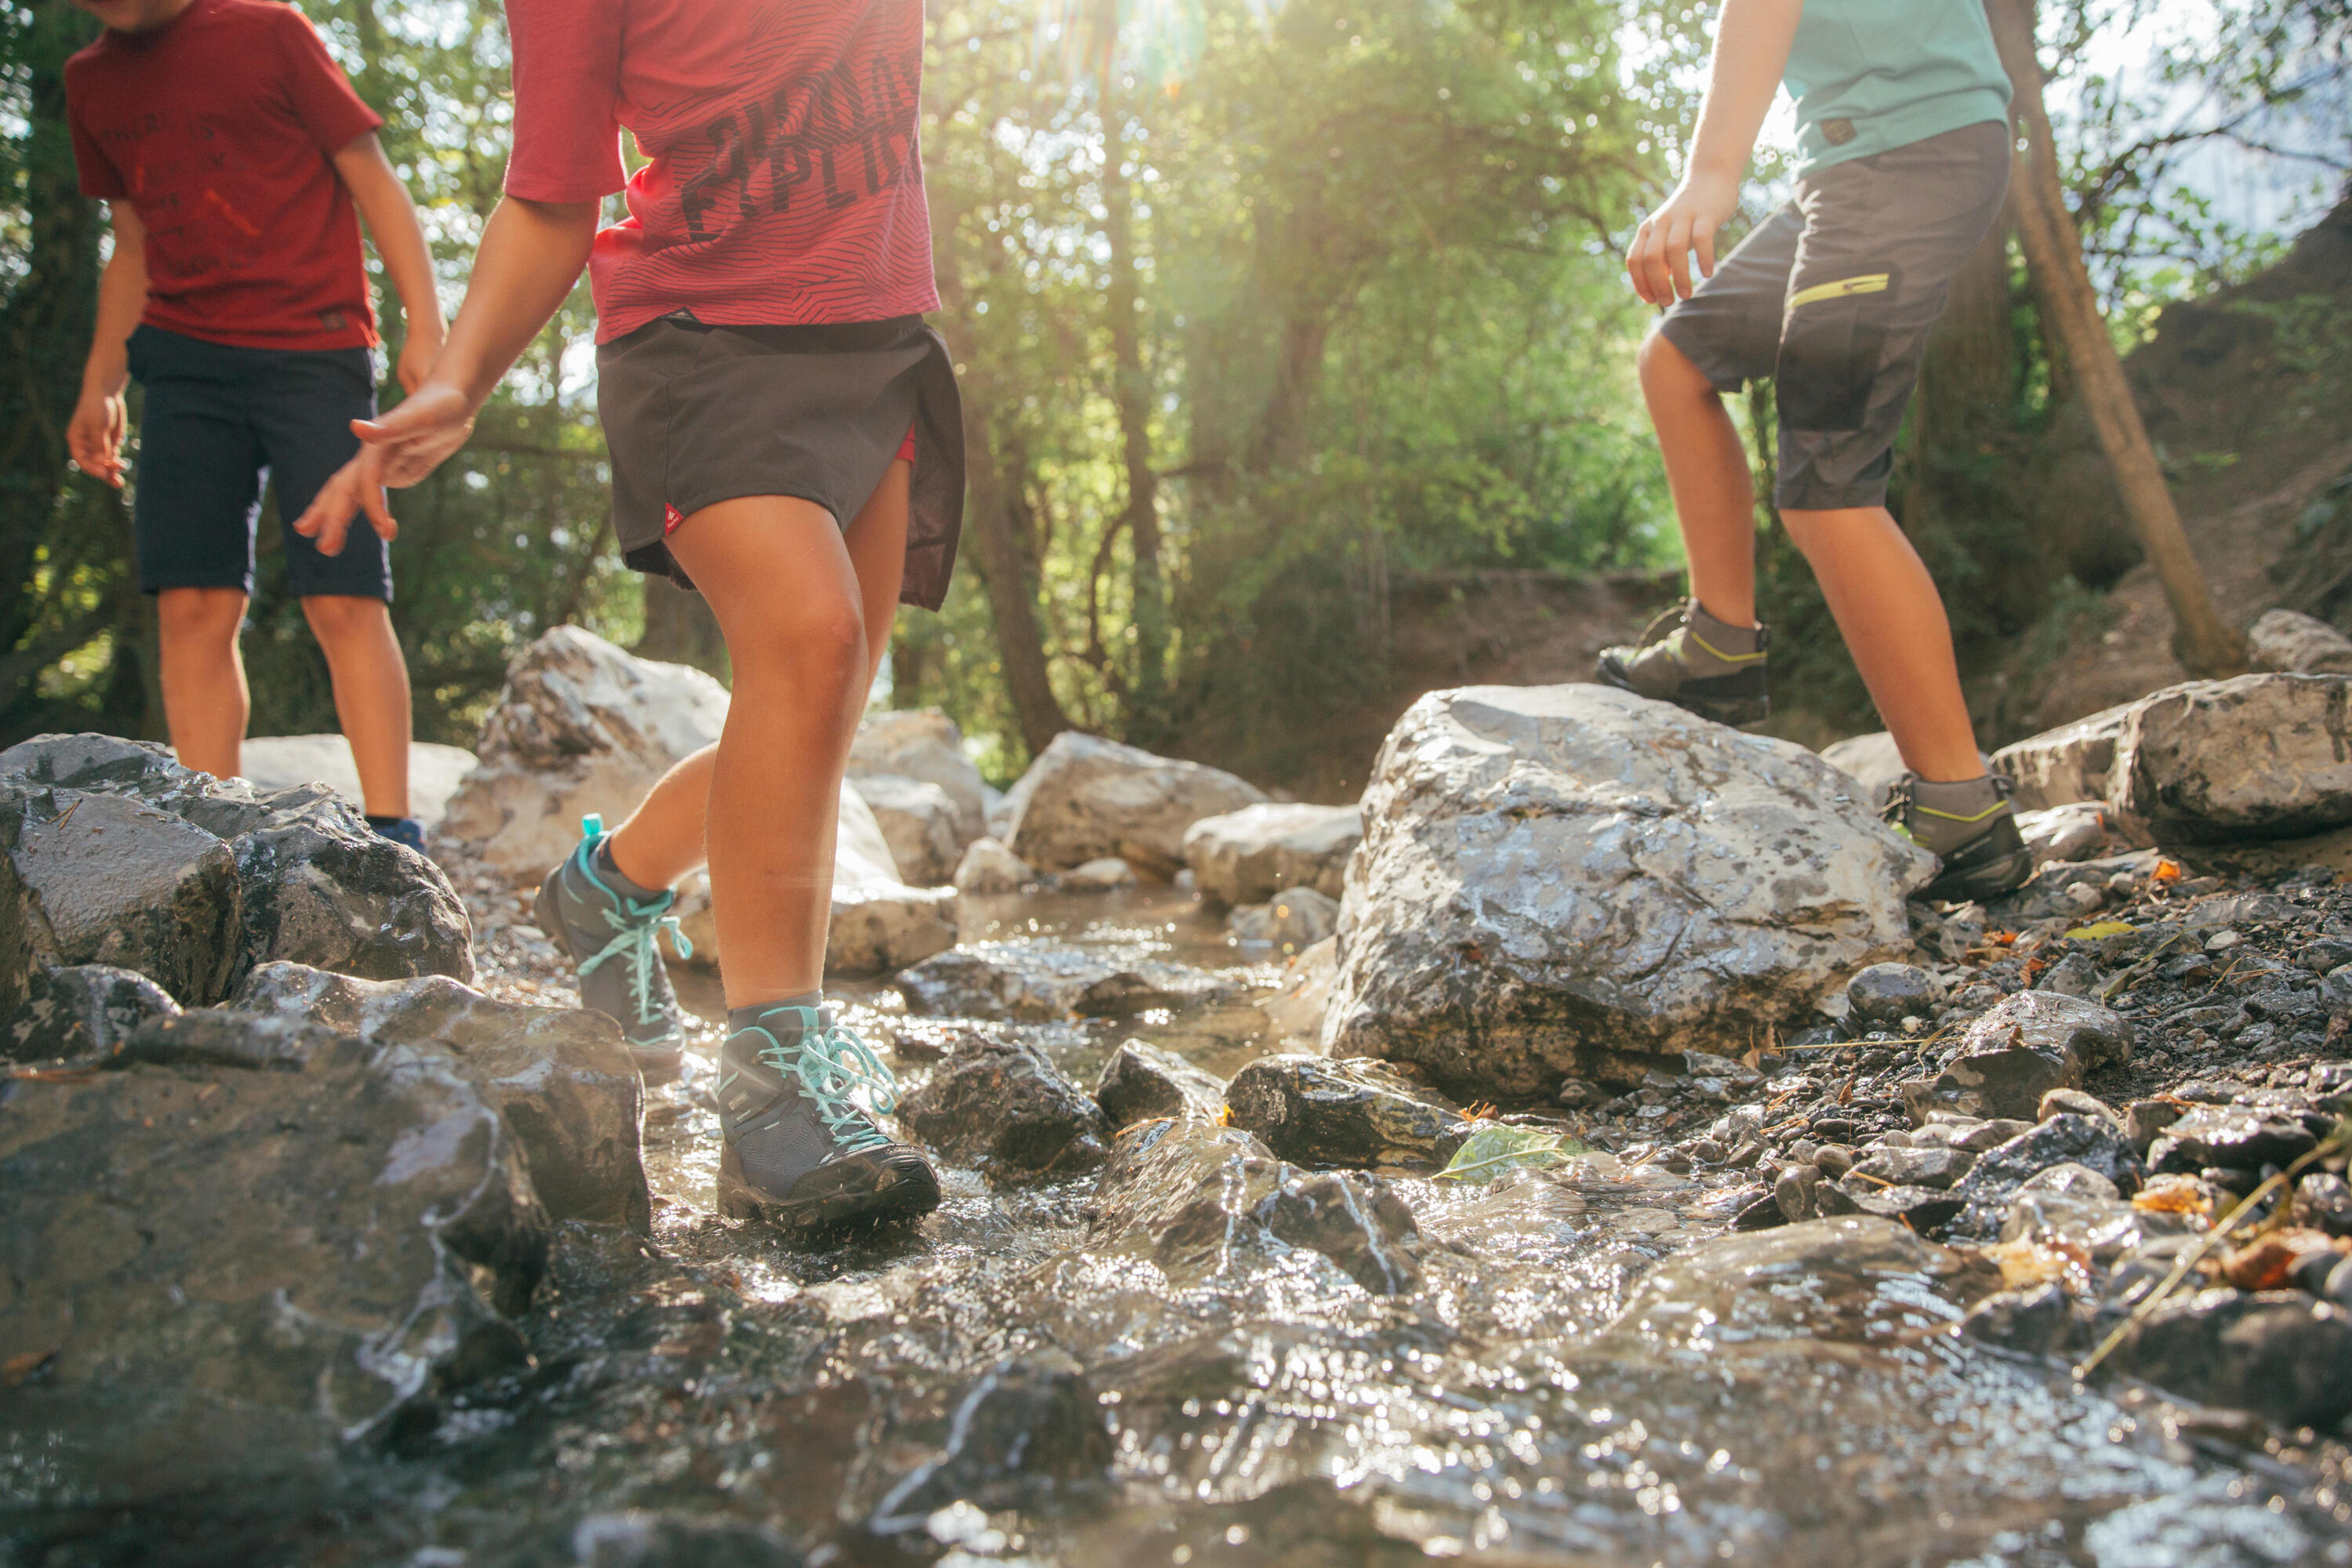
(306, 1267)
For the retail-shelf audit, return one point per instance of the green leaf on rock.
(1496, 1150)
(2102, 928)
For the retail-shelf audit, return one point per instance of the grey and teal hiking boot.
(800, 1152)
(1689, 659)
(1971, 826)
(608, 924)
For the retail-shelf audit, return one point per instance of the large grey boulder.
(920, 823)
(1246, 856)
(561, 1077)
(253, 1242)
(1087, 798)
(580, 727)
(2258, 756)
(282, 761)
(1561, 880)
(2295, 644)
(112, 853)
(925, 745)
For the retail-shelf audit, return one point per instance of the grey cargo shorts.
(1832, 298)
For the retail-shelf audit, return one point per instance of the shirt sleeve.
(567, 109)
(322, 99)
(98, 175)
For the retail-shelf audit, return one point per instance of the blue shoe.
(611, 937)
(405, 830)
(800, 1152)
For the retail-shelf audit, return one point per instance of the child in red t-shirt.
(236, 163)
(786, 436)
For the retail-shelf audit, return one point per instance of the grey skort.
(1832, 297)
(696, 414)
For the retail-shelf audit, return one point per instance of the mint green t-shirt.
(1870, 74)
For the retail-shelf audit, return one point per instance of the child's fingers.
(328, 517)
(372, 498)
(1705, 240)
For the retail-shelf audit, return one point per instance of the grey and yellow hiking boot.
(1971, 826)
(800, 1152)
(608, 924)
(1689, 659)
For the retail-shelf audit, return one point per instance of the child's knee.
(336, 616)
(199, 613)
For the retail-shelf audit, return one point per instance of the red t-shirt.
(785, 186)
(218, 127)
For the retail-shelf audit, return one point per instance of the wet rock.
(2072, 762)
(1185, 1193)
(2064, 833)
(105, 880)
(923, 744)
(279, 1260)
(1017, 1438)
(562, 1078)
(1108, 875)
(637, 1539)
(1295, 1011)
(2033, 1322)
(307, 881)
(881, 928)
(1830, 1280)
(1141, 1082)
(2027, 1045)
(921, 823)
(2146, 1120)
(1085, 797)
(81, 1014)
(2059, 1101)
(1351, 1112)
(2293, 643)
(2278, 1353)
(1293, 920)
(1528, 850)
(273, 762)
(2080, 1211)
(1793, 1192)
(1004, 1106)
(1914, 1167)
(1357, 1221)
(1885, 993)
(2323, 1202)
(2235, 1137)
(580, 727)
(2076, 975)
(2065, 1138)
(988, 866)
(2259, 756)
(1246, 856)
(1037, 980)
(1922, 1209)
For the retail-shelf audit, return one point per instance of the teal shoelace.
(634, 925)
(831, 1064)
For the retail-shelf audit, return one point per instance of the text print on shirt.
(829, 129)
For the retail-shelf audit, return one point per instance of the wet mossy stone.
(1354, 1113)
(82, 1012)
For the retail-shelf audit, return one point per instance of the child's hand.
(417, 353)
(1659, 259)
(95, 435)
(396, 450)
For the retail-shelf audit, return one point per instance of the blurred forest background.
(1273, 318)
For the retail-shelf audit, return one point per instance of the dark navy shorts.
(1832, 297)
(218, 422)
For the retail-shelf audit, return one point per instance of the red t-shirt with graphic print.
(220, 128)
(783, 188)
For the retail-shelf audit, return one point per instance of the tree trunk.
(2205, 644)
(1005, 570)
(680, 629)
(1131, 396)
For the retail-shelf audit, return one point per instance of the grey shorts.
(696, 414)
(1832, 298)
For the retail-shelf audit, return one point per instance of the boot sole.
(1733, 711)
(910, 1192)
(1991, 881)
(655, 1064)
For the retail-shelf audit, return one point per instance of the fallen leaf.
(1493, 1150)
(2268, 1262)
(2168, 871)
(2101, 929)
(2025, 1262)
(2173, 1195)
(17, 1368)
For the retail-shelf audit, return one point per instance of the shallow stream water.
(1587, 1374)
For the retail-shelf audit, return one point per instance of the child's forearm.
(1751, 50)
(121, 300)
(530, 256)
(391, 222)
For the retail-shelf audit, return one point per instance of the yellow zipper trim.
(1993, 809)
(1868, 283)
(1727, 657)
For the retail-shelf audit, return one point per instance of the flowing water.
(1586, 1374)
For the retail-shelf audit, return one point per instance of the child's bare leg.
(663, 838)
(370, 692)
(1706, 469)
(1893, 621)
(205, 702)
